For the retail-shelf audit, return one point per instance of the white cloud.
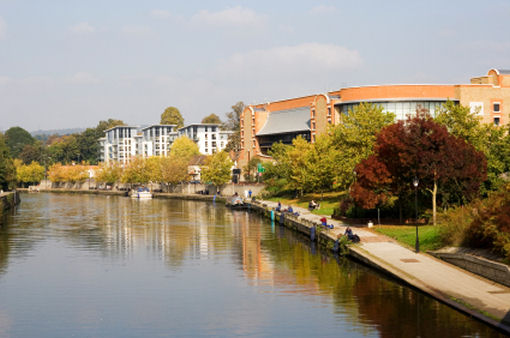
(4, 80)
(160, 14)
(82, 27)
(235, 16)
(84, 78)
(135, 29)
(290, 61)
(3, 28)
(323, 9)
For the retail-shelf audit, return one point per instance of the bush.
(491, 224)
(454, 223)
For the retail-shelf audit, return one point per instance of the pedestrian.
(249, 193)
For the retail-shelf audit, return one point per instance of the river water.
(107, 266)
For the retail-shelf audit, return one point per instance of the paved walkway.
(448, 283)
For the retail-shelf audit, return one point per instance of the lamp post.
(415, 183)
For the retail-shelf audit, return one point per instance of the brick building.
(264, 124)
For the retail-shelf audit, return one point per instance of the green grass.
(328, 202)
(428, 235)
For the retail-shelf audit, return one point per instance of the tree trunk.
(434, 203)
(400, 209)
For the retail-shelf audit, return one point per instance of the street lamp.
(415, 183)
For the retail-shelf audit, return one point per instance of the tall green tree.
(172, 115)
(218, 169)
(213, 118)
(16, 139)
(7, 169)
(354, 138)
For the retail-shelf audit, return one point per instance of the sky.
(70, 64)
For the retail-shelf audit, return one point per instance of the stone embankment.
(8, 200)
(476, 296)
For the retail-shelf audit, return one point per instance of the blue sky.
(66, 64)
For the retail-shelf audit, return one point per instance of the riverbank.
(476, 296)
(8, 200)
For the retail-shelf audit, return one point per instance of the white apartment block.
(157, 139)
(209, 138)
(121, 142)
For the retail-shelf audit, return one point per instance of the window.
(496, 107)
(496, 121)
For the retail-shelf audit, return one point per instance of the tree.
(233, 123)
(250, 171)
(16, 139)
(35, 152)
(421, 148)
(109, 173)
(171, 115)
(137, 171)
(492, 140)
(217, 169)
(213, 118)
(7, 170)
(183, 147)
(174, 169)
(27, 174)
(354, 139)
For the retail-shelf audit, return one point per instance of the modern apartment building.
(209, 138)
(263, 124)
(157, 139)
(121, 143)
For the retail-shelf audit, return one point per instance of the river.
(108, 266)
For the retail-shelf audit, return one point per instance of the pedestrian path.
(472, 294)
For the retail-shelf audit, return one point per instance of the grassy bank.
(428, 235)
(328, 201)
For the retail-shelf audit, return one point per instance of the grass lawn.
(428, 235)
(327, 204)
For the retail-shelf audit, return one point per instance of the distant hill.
(57, 131)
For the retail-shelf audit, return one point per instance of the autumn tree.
(172, 115)
(138, 171)
(354, 138)
(421, 148)
(218, 169)
(29, 174)
(108, 173)
(174, 169)
(183, 147)
(213, 118)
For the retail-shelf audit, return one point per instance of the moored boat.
(141, 193)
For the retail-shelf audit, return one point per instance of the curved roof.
(287, 121)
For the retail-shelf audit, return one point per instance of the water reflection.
(283, 268)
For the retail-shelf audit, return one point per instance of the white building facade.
(157, 139)
(121, 143)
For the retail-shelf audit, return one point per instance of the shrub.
(491, 225)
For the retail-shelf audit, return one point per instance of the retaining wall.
(495, 271)
(8, 200)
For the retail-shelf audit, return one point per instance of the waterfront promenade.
(469, 293)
